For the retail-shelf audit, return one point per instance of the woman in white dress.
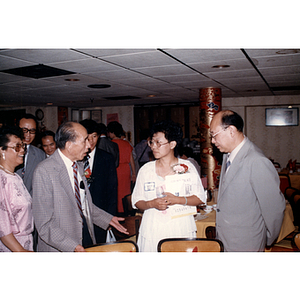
(168, 212)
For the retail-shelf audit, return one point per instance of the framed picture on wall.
(282, 116)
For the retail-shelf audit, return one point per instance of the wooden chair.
(296, 240)
(127, 206)
(132, 224)
(289, 193)
(210, 232)
(284, 182)
(190, 245)
(121, 246)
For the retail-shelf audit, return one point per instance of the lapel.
(61, 172)
(234, 167)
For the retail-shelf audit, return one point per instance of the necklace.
(9, 172)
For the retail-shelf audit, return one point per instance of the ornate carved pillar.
(210, 104)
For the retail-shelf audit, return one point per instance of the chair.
(127, 206)
(210, 232)
(296, 240)
(296, 208)
(190, 245)
(121, 246)
(289, 193)
(284, 182)
(132, 224)
(277, 166)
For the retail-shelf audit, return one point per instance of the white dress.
(156, 224)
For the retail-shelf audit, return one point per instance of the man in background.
(250, 205)
(33, 155)
(103, 181)
(48, 142)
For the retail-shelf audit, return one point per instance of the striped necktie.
(76, 187)
(228, 163)
(87, 170)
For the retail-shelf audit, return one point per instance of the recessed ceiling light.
(288, 51)
(49, 103)
(151, 96)
(220, 66)
(72, 79)
(99, 86)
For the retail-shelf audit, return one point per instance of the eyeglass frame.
(213, 136)
(18, 146)
(31, 131)
(157, 143)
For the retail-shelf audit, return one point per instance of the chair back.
(190, 245)
(284, 182)
(121, 246)
(132, 224)
(296, 240)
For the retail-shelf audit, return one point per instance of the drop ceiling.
(144, 76)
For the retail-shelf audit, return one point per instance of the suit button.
(218, 210)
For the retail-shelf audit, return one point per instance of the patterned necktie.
(87, 170)
(76, 187)
(228, 163)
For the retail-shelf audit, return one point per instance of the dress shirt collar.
(235, 151)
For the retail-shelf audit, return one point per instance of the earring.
(3, 155)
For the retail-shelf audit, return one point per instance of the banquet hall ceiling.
(142, 76)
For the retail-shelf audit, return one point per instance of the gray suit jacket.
(250, 205)
(55, 211)
(34, 157)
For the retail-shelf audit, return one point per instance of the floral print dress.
(15, 211)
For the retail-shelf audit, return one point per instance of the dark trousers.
(87, 240)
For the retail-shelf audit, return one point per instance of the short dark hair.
(6, 132)
(28, 116)
(172, 131)
(116, 128)
(48, 133)
(65, 133)
(90, 125)
(102, 128)
(230, 117)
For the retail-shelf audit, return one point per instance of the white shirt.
(68, 163)
(91, 159)
(234, 152)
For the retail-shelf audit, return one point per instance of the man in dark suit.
(107, 145)
(103, 179)
(34, 155)
(64, 214)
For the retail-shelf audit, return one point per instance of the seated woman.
(166, 214)
(16, 220)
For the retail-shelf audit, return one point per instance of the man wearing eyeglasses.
(250, 205)
(34, 155)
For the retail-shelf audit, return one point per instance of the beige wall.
(278, 143)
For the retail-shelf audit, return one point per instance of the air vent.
(99, 86)
(38, 71)
(122, 98)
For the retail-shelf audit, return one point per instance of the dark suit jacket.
(34, 157)
(110, 147)
(104, 187)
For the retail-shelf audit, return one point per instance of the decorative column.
(210, 104)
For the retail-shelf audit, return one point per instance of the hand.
(115, 223)
(79, 248)
(160, 203)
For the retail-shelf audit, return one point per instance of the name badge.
(149, 186)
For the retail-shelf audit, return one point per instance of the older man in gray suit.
(64, 213)
(250, 205)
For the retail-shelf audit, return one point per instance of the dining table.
(209, 219)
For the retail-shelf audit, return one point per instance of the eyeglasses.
(213, 136)
(157, 143)
(31, 131)
(18, 147)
